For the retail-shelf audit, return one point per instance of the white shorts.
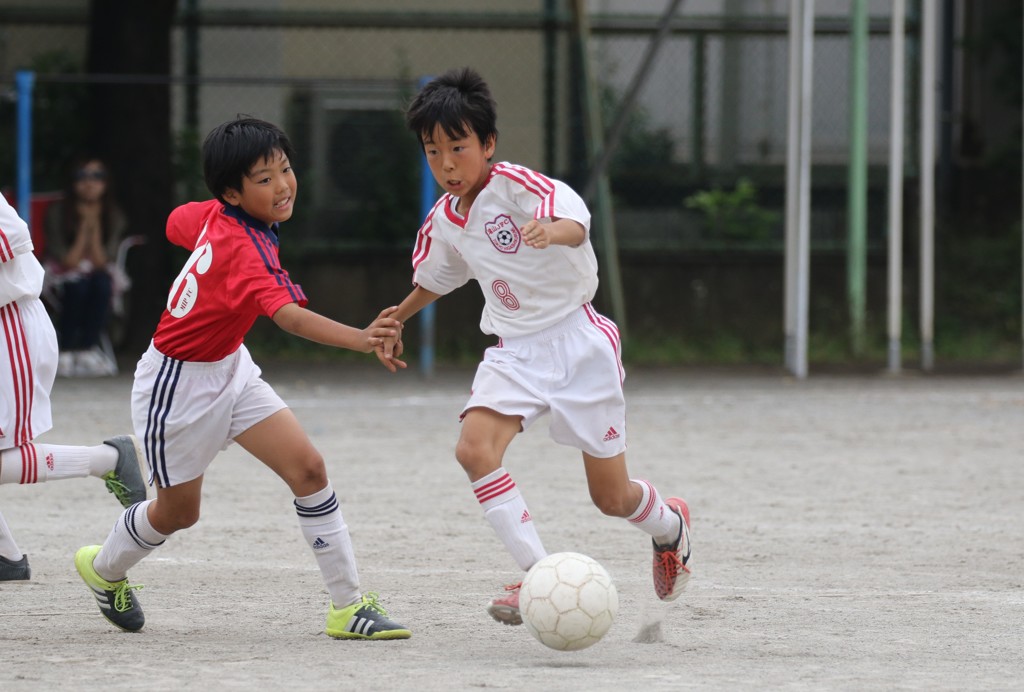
(185, 413)
(28, 365)
(572, 370)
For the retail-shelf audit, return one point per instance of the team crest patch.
(503, 234)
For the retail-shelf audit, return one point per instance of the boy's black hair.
(458, 101)
(232, 148)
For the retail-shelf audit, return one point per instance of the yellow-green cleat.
(116, 599)
(364, 619)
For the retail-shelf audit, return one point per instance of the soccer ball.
(568, 601)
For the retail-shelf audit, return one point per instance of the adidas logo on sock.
(611, 435)
(320, 544)
(526, 517)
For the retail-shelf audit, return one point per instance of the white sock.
(654, 517)
(37, 463)
(505, 509)
(325, 530)
(8, 548)
(131, 539)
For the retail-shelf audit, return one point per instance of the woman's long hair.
(70, 217)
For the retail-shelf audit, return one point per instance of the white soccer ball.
(568, 601)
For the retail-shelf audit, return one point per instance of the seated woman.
(82, 235)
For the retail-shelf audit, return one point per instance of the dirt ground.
(849, 533)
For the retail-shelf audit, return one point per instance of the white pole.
(798, 184)
(929, 31)
(896, 185)
(792, 184)
(804, 234)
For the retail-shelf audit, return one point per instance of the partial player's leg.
(280, 442)
(638, 502)
(139, 530)
(13, 562)
(485, 436)
(119, 462)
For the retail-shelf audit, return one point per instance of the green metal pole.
(550, 76)
(698, 98)
(856, 250)
(603, 218)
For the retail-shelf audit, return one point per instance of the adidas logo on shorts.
(612, 434)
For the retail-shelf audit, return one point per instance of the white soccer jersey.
(21, 275)
(525, 289)
(28, 343)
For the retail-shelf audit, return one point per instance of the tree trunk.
(131, 126)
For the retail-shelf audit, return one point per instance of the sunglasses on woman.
(90, 174)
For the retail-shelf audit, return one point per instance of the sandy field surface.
(849, 533)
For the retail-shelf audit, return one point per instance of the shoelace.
(122, 596)
(114, 485)
(670, 563)
(514, 587)
(370, 601)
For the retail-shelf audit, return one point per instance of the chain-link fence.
(712, 109)
(697, 181)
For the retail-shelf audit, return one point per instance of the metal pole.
(550, 78)
(792, 185)
(856, 209)
(24, 81)
(896, 115)
(798, 184)
(595, 132)
(699, 98)
(191, 41)
(428, 337)
(929, 30)
(804, 234)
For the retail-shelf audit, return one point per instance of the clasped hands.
(385, 338)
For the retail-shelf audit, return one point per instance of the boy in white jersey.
(524, 238)
(28, 364)
(197, 390)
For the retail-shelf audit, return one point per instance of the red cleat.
(670, 561)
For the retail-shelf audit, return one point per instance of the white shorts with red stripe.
(186, 413)
(572, 370)
(27, 367)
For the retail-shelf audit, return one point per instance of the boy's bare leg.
(13, 562)
(485, 436)
(283, 446)
(177, 507)
(280, 442)
(638, 502)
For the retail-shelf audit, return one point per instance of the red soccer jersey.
(233, 276)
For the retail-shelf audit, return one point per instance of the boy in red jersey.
(197, 389)
(524, 237)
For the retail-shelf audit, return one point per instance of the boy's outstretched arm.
(323, 330)
(390, 349)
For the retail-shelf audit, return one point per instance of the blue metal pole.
(24, 81)
(428, 195)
